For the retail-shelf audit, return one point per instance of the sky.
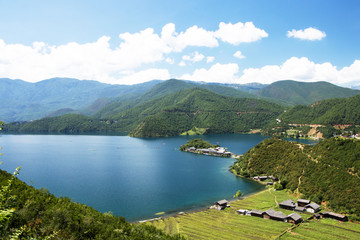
(130, 42)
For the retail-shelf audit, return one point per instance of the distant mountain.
(29, 101)
(165, 88)
(294, 92)
(179, 112)
(168, 115)
(330, 111)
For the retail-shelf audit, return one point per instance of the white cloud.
(210, 59)
(239, 33)
(221, 73)
(193, 36)
(170, 60)
(302, 69)
(310, 34)
(182, 64)
(145, 76)
(239, 54)
(194, 57)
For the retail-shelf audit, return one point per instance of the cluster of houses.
(273, 215)
(219, 151)
(301, 205)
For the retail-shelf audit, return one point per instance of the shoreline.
(180, 213)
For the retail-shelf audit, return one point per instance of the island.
(200, 146)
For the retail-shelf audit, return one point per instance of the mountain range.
(26, 101)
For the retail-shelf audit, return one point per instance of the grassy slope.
(214, 224)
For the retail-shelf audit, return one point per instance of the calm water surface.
(131, 177)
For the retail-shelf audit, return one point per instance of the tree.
(238, 194)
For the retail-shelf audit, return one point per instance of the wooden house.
(332, 215)
(257, 213)
(299, 209)
(275, 215)
(312, 208)
(294, 218)
(222, 204)
(287, 204)
(303, 202)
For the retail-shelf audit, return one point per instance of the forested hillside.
(168, 115)
(200, 108)
(331, 111)
(293, 92)
(327, 172)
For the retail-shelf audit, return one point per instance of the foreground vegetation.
(37, 214)
(226, 224)
(326, 172)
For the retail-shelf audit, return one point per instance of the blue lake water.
(131, 177)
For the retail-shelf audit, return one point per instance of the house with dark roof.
(287, 204)
(312, 207)
(222, 204)
(294, 218)
(299, 209)
(332, 215)
(303, 202)
(257, 213)
(275, 215)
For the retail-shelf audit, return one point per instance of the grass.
(226, 224)
(325, 229)
(194, 131)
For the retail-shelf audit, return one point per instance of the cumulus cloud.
(210, 59)
(193, 36)
(239, 54)
(221, 73)
(311, 34)
(302, 69)
(239, 33)
(194, 57)
(98, 61)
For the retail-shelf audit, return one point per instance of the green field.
(214, 224)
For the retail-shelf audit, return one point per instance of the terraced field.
(325, 229)
(214, 224)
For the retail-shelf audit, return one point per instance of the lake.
(131, 177)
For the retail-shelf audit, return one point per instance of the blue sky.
(127, 42)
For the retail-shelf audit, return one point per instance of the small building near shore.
(287, 204)
(222, 204)
(242, 211)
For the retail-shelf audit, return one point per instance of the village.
(218, 151)
(302, 205)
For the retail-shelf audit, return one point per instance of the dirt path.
(277, 204)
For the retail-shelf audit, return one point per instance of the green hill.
(328, 171)
(294, 92)
(27, 101)
(163, 89)
(169, 115)
(181, 111)
(331, 111)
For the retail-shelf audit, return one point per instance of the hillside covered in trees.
(168, 115)
(327, 172)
